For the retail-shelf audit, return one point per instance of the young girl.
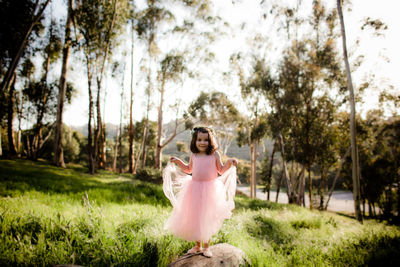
(202, 201)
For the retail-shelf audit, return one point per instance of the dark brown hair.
(212, 143)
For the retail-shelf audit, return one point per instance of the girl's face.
(202, 142)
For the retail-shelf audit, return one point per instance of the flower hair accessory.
(196, 129)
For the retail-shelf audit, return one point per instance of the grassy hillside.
(58, 216)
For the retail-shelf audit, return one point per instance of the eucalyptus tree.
(22, 18)
(41, 94)
(320, 68)
(173, 41)
(253, 126)
(301, 105)
(354, 156)
(149, 21)
(131, 155)
(390, 135)
(99, 23)
(58, 158)
(282, 96)
(20, 26)
(341, 146)
(193, 33)
(172, 67)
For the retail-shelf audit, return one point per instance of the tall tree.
(120, 167)
(131, 155)
(12, 150)
(21, 22)
(172, 67)
(34, 12)
(98, 22)
(354, 154)
(58, 159)
(253, 128)
(41, 94)
(106, 37)
(149, 21)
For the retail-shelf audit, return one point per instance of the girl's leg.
(206, 249)
(196, 248)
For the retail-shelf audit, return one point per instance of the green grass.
(45, 219)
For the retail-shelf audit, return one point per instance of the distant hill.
(111, 129)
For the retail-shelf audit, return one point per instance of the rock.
(223, 255)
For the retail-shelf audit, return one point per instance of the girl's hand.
(234, 162)
(173, 160)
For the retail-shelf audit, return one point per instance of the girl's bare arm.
(184, 167)
(221, 168)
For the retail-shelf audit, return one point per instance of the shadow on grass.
(380, 249)
(244, 202)
(385, 252)
(269, 229)
(19, 176)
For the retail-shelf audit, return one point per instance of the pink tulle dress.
(201, 202)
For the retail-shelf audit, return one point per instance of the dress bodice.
(204, 167)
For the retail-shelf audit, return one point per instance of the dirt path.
(341, 201)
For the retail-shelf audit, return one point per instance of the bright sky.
(382, 58)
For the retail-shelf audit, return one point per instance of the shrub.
(149, 174)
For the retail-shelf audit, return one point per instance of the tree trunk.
(19, 134)
(145, 131)
(10, 127)
(1, 146)
(286, 173)
(270, 171)
(322, 190)
(253, 158)
(98, 131)
(58, 159)
(120, 148)
(139, 154)
(114, 166)
(342, 160)
(302, 185)
(144, 153)
(354, 156)
(398, 200)
(100, 138)
(28, 146)
(310, 186)
(279, 187)
(131, 155)
(120, 132)
(302, 192)
(160, 127)
(90, 133)
(369, 209)
(8, 77)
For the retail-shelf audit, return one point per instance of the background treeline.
(290, 114)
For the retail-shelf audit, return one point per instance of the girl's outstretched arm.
(221, 168)
(184, 167)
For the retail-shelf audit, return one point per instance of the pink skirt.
(200, 209)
